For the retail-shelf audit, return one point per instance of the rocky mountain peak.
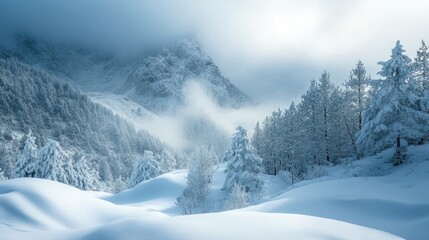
(154, 81)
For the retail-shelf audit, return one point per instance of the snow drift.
(366, 199)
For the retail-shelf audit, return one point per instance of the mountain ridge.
(154, 80)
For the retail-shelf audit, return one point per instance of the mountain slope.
(32, 99)
(155, 80)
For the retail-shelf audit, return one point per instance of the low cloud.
(271, 49)
(201, 120)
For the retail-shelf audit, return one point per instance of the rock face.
(154, 80)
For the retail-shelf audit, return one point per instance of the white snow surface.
(364, 199)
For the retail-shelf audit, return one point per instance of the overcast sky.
(269, 48)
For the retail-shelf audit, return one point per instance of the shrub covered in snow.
(196, 196)
(237, 198)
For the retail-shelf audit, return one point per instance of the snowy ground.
(368, 199)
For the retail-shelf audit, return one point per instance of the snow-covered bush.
(286, 177)
(237, 198)
(116, 185)
(196, 196)
(315, 171)
(186, 201)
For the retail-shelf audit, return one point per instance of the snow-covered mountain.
(153, 78)
(32, 99)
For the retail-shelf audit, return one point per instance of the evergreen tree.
(265, 146)
(53, 163)
(167, 161)
(357, 87)
(244, 165)
(86, 178)
(70, 172)
(146, 168)
(421, 66)
(310, 129)
(325, 91)
(273, 151)
(105, 171)
(257, 138)
(394, 117)
(26, 161)
(295, 165)
(195, 198)
(341, 142)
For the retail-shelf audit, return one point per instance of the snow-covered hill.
(366, 199)
(41, 209)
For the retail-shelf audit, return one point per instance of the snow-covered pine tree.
(420, 80)
(421, 67)
(53, 163)
(278, 153)
(296, 165)
(311, 122)
(26, 161)
(265, 146)
(394, 117)
(195, 198)
(257, 138)
(341, 142)
(288, 125)
(244, 166)
(236, 199)
(277, 140)
(70, 172)
(146, 168)
(167, 162)
(86, 178)
(357, 92)
(324, 104)
(105, 171)
(273, 140)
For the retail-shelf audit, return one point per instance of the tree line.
(362, 117)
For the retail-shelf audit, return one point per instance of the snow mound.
(43, 209)
(346, 204)
(397, 202)
(235, 225)
(158, 194)
(34, 204)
